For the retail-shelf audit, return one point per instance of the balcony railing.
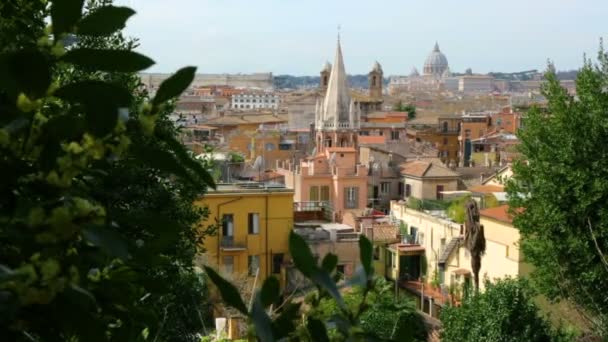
(228, 242)
(325, 207)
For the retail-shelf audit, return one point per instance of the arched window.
(327, 142)
(343, 143)
(374, 81)
(445, 126)
(325, 80)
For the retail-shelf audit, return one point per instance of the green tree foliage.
(384, 317)
(409, 108)
(560, 182)
(96, 216)
(355, 316)
(503, 312)
(456, 210)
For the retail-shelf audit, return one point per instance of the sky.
(297, 36)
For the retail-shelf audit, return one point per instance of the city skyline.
(297, 37)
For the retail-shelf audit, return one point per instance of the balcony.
(228, 243)
(313, 210)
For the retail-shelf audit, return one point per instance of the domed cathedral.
(436, 63)
(337, 115)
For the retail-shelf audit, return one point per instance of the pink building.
(331, 177)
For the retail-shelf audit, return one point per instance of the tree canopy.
(97, 230)
(561, 182)
(503, 312)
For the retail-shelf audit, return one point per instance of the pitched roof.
(419, 168)
(500, 213)
(485, 189)
(372, 139)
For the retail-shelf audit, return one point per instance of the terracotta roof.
(419, 168)
(500, 213)
(406, 248)
(372, 139)
(382, 232)
(487, 188)
(341, 149)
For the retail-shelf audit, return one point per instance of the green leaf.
(102, 101)
(317, 330)
(230, 295)
(25, 71)
(284, 324)
(65, 14)
(330, 261)
(108, 240)
(164, 161)
(104, 21)
(261, 321)
(366, 255)
(174, 85)
(270, 291)
(323, 279)
(93, 92)
(301, 254)
(107, 60)
(187, 159)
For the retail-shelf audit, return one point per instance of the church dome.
(436, 63)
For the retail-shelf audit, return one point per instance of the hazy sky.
(298, 36)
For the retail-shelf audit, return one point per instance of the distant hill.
(298, 82)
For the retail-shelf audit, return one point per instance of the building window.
(439, 191)
(313, 194)
(324, 193)
(400, 189)
(277, 262)
(253, 222)
(228, 225)
(408, 190)
(254, 264)
(351, 197)
(376, 252)
(445, 141)
(389, 259)
(385, 188)
(228, 264)
(269, 146)
(444, 127)
(394, 135)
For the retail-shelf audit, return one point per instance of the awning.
(462, 271)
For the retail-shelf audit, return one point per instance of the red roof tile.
(500, 213)
(372, 139)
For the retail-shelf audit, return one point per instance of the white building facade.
(255, 101)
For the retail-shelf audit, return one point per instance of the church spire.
(337, 98)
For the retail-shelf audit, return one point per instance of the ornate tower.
(337, 116)
(325, 73)
(375, 79)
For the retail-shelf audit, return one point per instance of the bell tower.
(375, 80)
(325, 73)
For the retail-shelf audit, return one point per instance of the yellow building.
(253, 224)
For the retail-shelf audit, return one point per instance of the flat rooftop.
(249, 187)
